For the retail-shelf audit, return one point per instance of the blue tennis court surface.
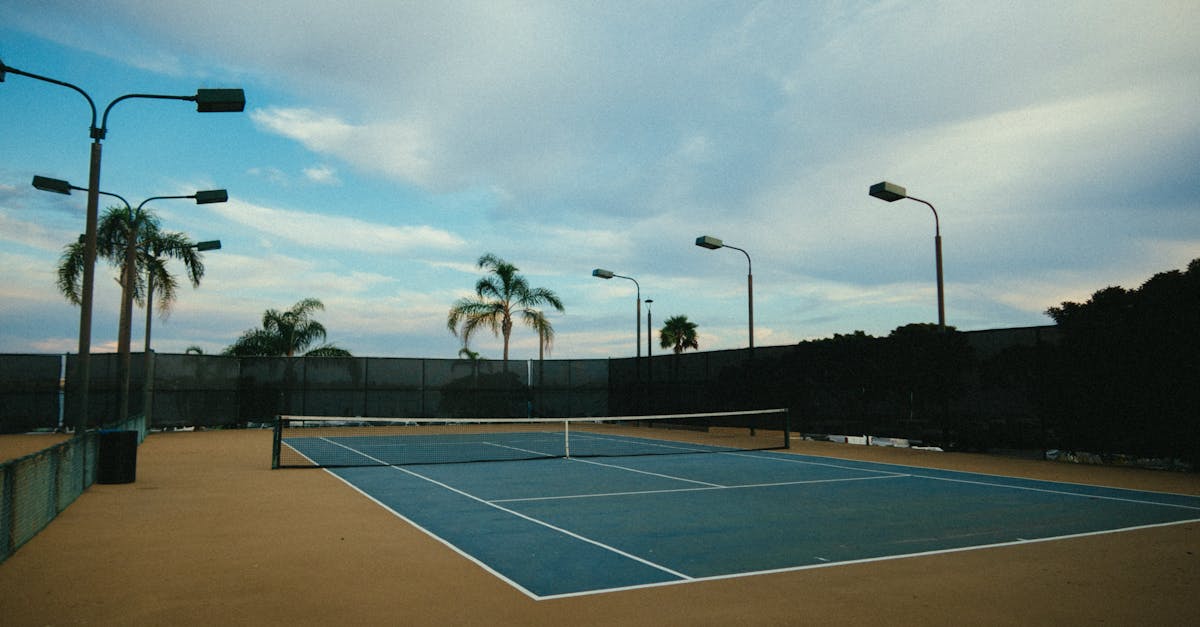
(569, 526)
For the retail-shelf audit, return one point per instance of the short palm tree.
(500, 296)
(285, 333)
(679, 333)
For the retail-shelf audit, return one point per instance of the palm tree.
(498, 297)
(112, 232)
(545, 333)
(156, 248)
(285, 333)
(679, 333)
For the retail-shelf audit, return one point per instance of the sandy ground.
(208, 534)
(14, 446)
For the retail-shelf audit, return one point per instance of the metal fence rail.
(37, 487)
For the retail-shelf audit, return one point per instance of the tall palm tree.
(154, 245)
(545, 332)
(285, 333)
(498, 297)
(679, 333)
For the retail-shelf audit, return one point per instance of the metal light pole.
(147, 356)
(637, 337)
(649, 327)
(712, 243)
(891, 193)
(125, 333)
(207, 100)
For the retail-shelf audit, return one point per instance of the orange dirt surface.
(20, 445)
(209, 534)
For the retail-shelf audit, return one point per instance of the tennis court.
(643, 511)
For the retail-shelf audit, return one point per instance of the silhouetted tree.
(1126, 375)
(285, 333)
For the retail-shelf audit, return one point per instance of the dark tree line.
(1126, 377)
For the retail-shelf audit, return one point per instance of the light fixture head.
(47, 184)
(602, 273)
(209, 245)
(211, 196)
(890, 192)
(220, 100)
(711, 243)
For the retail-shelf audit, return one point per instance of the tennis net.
(332, 442)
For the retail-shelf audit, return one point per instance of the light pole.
(637, 337)
(712, 243)
(649, 327)
(207, 101)
(147, 356)
(134, 217)
(891, 193)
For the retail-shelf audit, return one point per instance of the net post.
(787, 433)
(567, 438)
(275, 442)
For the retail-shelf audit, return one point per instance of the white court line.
(994, 484)
(866, 560)
(531, 519)
(672, 490)
(517, 448)
(646, 472)
(646, 442)
(1063, 492)
(543, 523)
(786, 456)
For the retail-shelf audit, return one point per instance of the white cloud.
(332, 232)
(395, 148)
(322, 174)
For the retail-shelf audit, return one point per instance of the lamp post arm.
(143, 203)
(749, 264)
(937, 227)
(99, 133)
(47, 79)
(118, 197)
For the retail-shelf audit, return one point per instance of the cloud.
(333, 232)
(393, 148)
(322, 174)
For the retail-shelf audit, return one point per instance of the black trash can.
(116, 460)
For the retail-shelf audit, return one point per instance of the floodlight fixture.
(211, 196)
(890, 192)
(58, 186)
(220, 100)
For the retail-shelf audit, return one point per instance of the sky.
(386, 146)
